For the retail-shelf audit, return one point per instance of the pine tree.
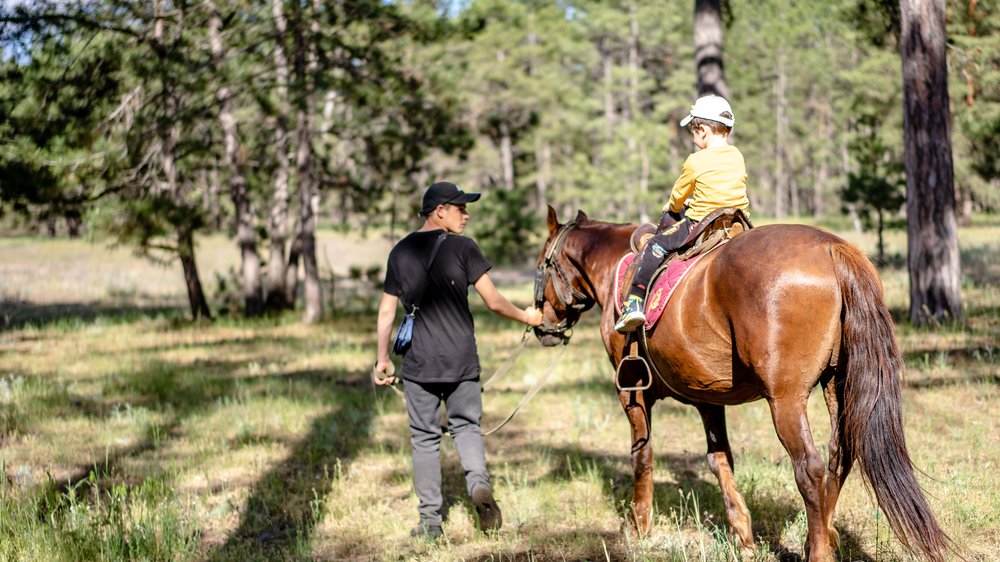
(935, 291)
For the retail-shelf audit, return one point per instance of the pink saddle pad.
(661, 291)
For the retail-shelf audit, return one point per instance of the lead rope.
(499, 373)
(505, 367)
(531, 392)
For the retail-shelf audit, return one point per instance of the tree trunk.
(238, 190)
(780, 180)
(74, 224)
(305, 70)
(643, 182)
(506, 156)
(793, 193)
(708, 48)
(935, 290)
(970, 65)
(274, 289)
(822, 171)
(292, 269)
(196, 296)
(965, 206)
(637, 147)
(214, 189)
(609, 94)
(881, 240)
(168, 161)
(542, 170)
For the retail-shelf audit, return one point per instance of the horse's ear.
(581, 217)
(552, 221)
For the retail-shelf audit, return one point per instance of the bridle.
(575, 302)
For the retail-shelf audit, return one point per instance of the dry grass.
(128, 433)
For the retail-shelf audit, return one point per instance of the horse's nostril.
(551, 341)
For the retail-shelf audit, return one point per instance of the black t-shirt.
(444, 339)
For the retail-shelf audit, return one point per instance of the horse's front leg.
(637, 405)
(720, 461)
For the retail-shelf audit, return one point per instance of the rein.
(575, 301)
(502, 370)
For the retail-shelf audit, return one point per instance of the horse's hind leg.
(720, 460)
(637, 410)
(792, 426)
(839, 465)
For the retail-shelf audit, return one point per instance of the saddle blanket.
(661, 291)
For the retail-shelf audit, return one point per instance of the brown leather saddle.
(716, 228)
(634, 372)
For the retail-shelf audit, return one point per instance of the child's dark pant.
(655, 251)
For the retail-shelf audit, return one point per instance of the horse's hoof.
(817, 557)
(635, 529)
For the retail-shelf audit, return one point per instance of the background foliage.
(571, 103)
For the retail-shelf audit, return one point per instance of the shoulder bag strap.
(420, 295)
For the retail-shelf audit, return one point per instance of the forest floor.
(128, 432)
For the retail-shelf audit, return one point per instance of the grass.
(127, 433)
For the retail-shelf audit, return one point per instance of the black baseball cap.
(444, 192)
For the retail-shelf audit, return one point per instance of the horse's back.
(760, 316)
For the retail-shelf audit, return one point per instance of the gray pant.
(464, 404)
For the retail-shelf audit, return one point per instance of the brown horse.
(768, 315)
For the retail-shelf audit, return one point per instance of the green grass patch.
(127, 432)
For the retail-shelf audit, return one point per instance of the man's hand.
(532, 316)
(384, 372)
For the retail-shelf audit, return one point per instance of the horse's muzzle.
(550, 340)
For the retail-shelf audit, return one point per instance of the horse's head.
(559, 284)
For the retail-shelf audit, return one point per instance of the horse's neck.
(600, 248)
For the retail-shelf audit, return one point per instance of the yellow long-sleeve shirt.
(711, 178)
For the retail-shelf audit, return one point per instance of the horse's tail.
(872, 420)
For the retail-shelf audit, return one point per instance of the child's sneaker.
(632, 317)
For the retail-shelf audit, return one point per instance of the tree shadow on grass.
(284, 505)
(16, 314)
(161, 386)
(287, 502)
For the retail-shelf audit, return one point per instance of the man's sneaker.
(632, 316)
(490, 518)
(426, 531)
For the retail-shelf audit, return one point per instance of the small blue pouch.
(404, 335)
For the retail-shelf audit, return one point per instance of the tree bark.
(780, 179)
(168, 159)
(305, 70)
(637, 146)
(822, 170)
(214, 190)
(196, 295)
(609, 94)
(708, 48)
(935, 290)
(274, 288)
(292, 270)
(238, 190)
(506, 156)
(542, 170)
